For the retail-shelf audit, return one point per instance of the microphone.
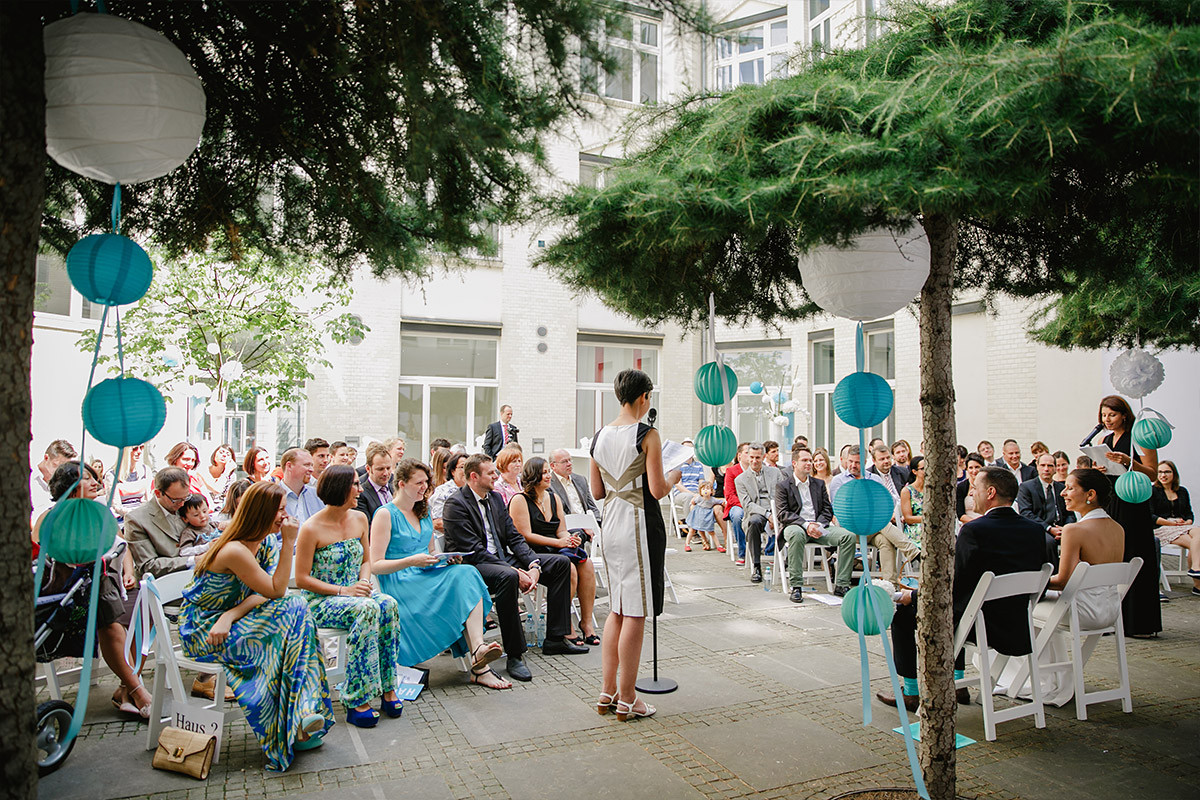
(652, 416)
(1088, 440)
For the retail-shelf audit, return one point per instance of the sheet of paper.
(674, 455)
(409, 675)
(582, 522)
(1096, 453)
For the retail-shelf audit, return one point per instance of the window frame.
(885, 430)
(594, 78)
(599, 389)
(728, 58)
(821, 394)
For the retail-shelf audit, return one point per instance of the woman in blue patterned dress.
(441, 605)
(237, 614)
(334, 573)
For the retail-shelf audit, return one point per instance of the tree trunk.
(935, 616)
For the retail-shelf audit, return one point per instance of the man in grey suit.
(153, 528)
(805, 513)
(755, 488)
(572, 489)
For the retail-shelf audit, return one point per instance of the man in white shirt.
(1038, 502)
(1011, 461)
(890, 540)
(571, 489)
(755, 488)
(58, 453)
(805, 515)
(376, 483)
(302, 501)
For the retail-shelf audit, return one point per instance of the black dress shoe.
(518, 671)
(911, 701)
(963, 696)
(797, 595)
(840, 591)
(561, 647)
(756, 576)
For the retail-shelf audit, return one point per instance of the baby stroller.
(60, 628)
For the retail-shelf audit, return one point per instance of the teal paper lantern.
(707, 384)
(863, 507)
(1152, 433)
(76, 529)
(716, 446)
(109, 269)
(862, 400)
(1134, 487)
(871, 597)
(124, 412)
(756, 387)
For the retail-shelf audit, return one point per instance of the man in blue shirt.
(691, 472)
(302, 501)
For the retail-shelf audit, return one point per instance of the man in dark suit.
(499, 433)
(805, 512)
(1037, 501)
(376, 482)
(1001, 541)
(895, 476)
(1011, 461)
(572, 490)
(394, 447)
(476, 522)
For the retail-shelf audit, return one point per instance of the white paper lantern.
(123, 104)
(200, 390)
(1136, 373)
(877, 277)
(232, 370)
(213, 348)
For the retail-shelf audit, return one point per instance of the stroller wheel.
(53, 722)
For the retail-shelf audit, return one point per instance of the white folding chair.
(816, 564)
(680, 527)
(1064, 613)
(994, 587)
(334, 639)
(1165, 575)
(780, 554)
(156, 592)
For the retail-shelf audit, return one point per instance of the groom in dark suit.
(499, 433)
(476, 522)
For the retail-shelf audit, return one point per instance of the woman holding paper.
(334, 575)
(627, 470)
(441, 604)
(1140, 610)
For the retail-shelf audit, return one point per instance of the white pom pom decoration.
(1136, 373)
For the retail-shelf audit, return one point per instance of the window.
(592, 170)
(751, 414)
(819, 17)
(289, 428)
(448, 388)
(54, 294)
(597, 365)
(881, 359)
(752, 54)
(824, 380)
(632, 48)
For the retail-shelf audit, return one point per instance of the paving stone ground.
(769, 706)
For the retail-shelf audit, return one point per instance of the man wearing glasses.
(153, 528)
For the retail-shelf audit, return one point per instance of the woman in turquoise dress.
(334, 575)
(441, 605)
(912, 500)
(237, 614)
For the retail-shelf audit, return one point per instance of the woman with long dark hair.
(237, 612)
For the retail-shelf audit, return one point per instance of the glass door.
(447, 417)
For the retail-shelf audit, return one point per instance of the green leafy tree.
(1036, 142)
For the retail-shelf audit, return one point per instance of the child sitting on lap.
(199, 529)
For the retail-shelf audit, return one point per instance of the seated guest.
(350, 455)
(476, 522)
(131, 696)
(1085, 462)
(901, 453)
(236, 612)
(233, 496)
(538, 516)
(337, 454)
(333, 572)
(573, 489)
(962, 462)
(376, 482)
(733, 506)
(198, 528)
(1062, 466)
(1001, 541)
(438, 464)
(318, 448)
(153, 528)
(806, 516)
(823, 469)
(220, 473)
(986, 451)
(771, 453)
(1011, 460)
(455, 480)
(912, 500)
(441, 443)
(755, 487)
(691, 472)
(891, 540)
(58, 452)
(185, 456)
(509, 463)
(98, 467)
(394, 446)
(1036, 449)
(1096, 538)
(438, 608)
(302, 500)
(257, 464)
(1037, 502)
(964, 492)
(133, 480)
(1171, 507)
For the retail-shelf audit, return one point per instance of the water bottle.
(767, 578)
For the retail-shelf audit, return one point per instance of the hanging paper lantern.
(172, 356)
(232, 370)
(862, 399)
(716, 445)
(108, 269)
(1134, 487)
(123, 105)
(879, 599)
(1136, 373)
(213, 348)
(756, 387)
(200, 390)
(124, 412)
(878, 276)
(707, 384)
(75, 529)
(863, 507)
(1152, 433)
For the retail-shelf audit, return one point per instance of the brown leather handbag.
(183, 751)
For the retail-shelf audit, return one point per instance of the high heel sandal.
(393, 708)
(312, 733)
(604, 706)
(362, 719)
(626, 711)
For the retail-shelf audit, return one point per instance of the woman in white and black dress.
(627, 473)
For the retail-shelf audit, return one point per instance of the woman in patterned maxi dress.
(626, 472)
(237, 614)
(334, 574)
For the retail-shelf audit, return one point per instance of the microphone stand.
(655, 685)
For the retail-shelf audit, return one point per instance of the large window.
(597, 365)
(751, 413)
(881, 359)
(633, 50)
(54, 295)
(819, 16)
(824, 380)
(752, 54)
(448, 388)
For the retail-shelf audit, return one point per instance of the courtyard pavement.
(768, 707)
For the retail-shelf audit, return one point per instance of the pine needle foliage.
(1061, 135)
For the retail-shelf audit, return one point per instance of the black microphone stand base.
(656, 685)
